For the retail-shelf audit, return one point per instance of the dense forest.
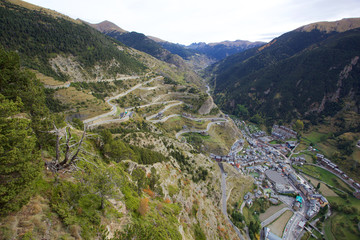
(24, 118)
(290, 77)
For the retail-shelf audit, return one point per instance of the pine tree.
(19, 157)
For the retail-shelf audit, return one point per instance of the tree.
(318, 186)
(100, 182)
(19, 158)
(242, 111)
(18, 83)
(298, 125)
(154, 178)
(139, 176)
(144, 206)
(70, 149)
(257, 119)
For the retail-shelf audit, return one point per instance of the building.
(357, 194)
(298, 203)
(249, 202)
(301, 224)
(299, 159)
(305, 190)
(283, 133)
(294, 179)
(268, 235)
(274, 201)
(291, 144)
(323, 201)
(314, 208)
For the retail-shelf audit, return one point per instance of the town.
(271, 166)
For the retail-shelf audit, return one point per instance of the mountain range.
(305, 73)
(163, 50)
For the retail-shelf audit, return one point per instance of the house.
(301, 224)
(268, 235)
(248, 196)
(298, 203)
(291, 144)
(296, 206)
(305, 190)
(249, 202)
(274, 201)
(357, 194)
(258, 194)
(313, 209)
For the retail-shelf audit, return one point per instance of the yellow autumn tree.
(144, 206)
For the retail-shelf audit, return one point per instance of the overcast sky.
(188, 21)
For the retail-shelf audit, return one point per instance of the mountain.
(107, 177)
(176, 54)
(138, 41)
(306, 73)
(220, 50)
(336, 26)
(106, 27)
(45, 41)
(197, 55)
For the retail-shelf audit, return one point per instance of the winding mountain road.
(178, 134)
(223, 201)
(113, 106)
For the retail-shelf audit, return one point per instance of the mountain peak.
(107, 26)
(336, 26)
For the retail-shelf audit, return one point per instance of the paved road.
(166, 108)
(223, 201)
(178, 134)
(126, 118)
(207, 90)
(164, 119)
(67, 84)
(113, 106)
(290, 229)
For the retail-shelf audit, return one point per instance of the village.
(271, 167)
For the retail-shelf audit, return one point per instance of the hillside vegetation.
(40, 37)
(121, 181)
(297, 75)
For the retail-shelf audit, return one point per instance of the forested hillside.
(76, 165)
(298, 75)
(39, 37)
(221, 50)
(24, 118)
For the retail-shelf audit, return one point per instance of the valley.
(110, 134)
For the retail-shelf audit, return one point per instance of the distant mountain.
(343, 25)
(306, 73)
(106, 27)
(140, 42)
(223, 49)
